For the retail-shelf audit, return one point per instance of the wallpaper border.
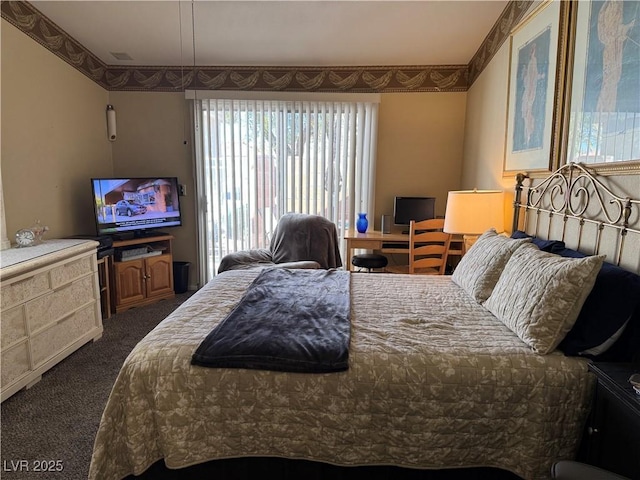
(378, 79)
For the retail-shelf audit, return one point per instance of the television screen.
(135, 204)
(406, 209)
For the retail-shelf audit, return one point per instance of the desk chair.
(369, 261)
(428, 247)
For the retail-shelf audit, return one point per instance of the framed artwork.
(603, 114)
(536, 83)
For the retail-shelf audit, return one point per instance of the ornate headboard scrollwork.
(575, 192)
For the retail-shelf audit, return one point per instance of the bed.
(440, 376)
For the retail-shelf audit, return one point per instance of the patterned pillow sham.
(480, 268)
(539, 295)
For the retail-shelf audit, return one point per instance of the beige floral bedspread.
(434, 381)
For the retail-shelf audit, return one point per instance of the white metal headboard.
(574, 194)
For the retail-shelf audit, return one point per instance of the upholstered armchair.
(299, 241)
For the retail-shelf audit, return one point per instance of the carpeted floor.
(56, 420)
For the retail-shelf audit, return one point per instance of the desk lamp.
(470, 213)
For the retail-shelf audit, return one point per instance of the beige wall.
(485, 132)
(419, 150)
(54, 139)
(419, 147)
(48, 158)
(486, 119)
(152, 128)
(484, 143)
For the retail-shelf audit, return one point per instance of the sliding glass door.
(257, 159)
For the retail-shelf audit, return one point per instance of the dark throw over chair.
(299, 240)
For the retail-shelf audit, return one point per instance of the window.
(259, 158)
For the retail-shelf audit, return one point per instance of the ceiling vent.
(121, 55)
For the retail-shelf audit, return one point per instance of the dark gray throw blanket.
(298, 238)
(287, 320)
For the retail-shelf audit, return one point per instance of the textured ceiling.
(278, 33)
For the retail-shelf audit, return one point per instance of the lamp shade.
(473, 212)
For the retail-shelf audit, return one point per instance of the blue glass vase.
(362, 223)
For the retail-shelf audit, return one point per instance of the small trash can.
(180, 276)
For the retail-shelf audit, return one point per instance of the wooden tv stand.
(143, 278)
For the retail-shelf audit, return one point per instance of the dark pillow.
(612, 307)
(544, 245)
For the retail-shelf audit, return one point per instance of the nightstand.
(612, 436)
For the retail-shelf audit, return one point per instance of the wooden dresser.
(50, 307)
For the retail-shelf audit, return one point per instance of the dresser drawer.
(13, 326)
(51, 308)
(71, 271)
(19, 292)
(53, 340)
(15, 363)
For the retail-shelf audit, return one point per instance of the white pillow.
(480, 268)
(539, 295)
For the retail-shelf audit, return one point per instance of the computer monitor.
(406, 209)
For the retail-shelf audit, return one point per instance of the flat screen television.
(406, 209)
(133, 206)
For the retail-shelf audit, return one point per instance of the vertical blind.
(257, 159)
(603, 137)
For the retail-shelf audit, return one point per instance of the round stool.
(369, 261)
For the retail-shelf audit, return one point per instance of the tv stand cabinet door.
(129, 282)
(159, 281)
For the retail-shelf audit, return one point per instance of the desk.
(376, 240)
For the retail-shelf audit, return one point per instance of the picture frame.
(602, 112)
(538, 55)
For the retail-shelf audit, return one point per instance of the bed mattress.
(434, 381)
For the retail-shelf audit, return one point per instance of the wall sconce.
(111, 123)
(470, 213)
